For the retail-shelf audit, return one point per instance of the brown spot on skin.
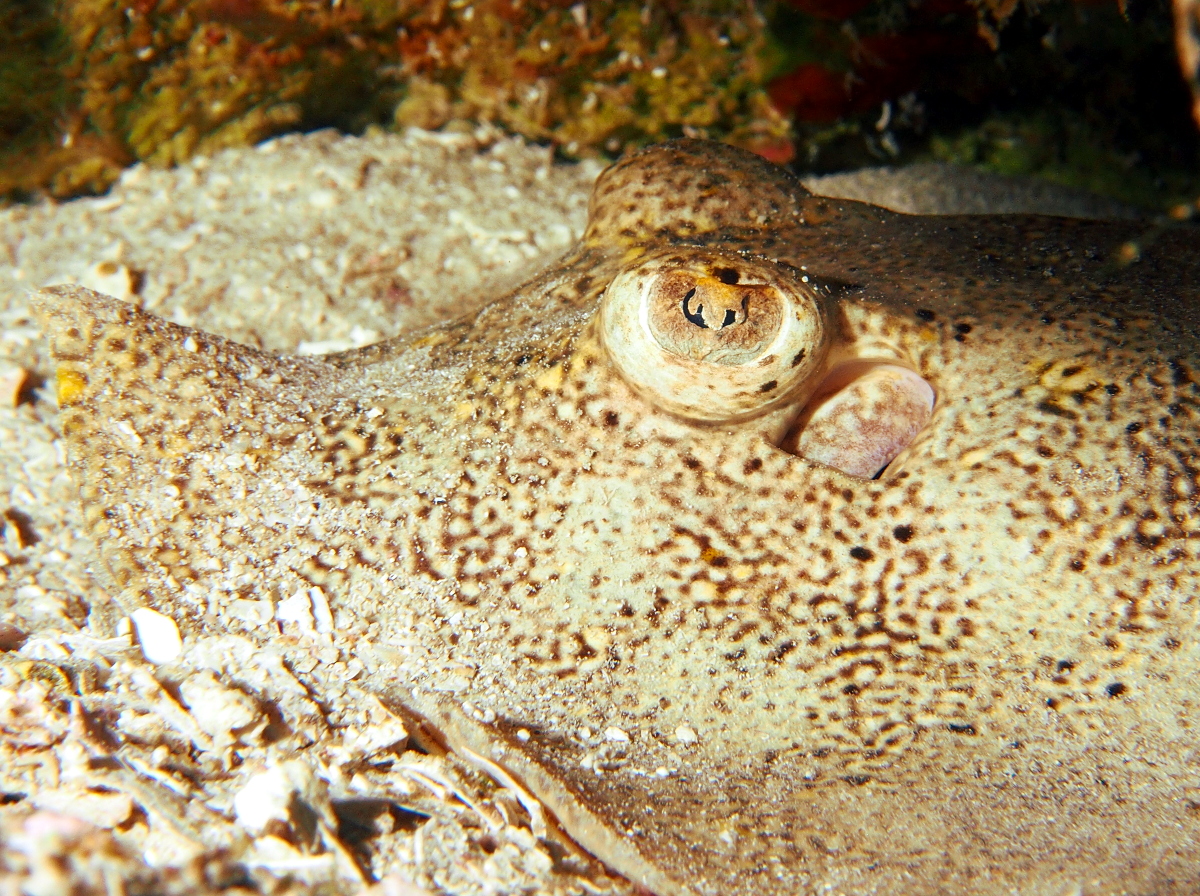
(1050, 407)
(780, 651)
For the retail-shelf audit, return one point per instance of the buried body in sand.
(775, 544)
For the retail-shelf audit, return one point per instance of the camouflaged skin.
(728, 670)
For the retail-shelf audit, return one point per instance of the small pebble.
(12, 385)
(157, 634)
(11, 637)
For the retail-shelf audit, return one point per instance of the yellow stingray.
(612, 566)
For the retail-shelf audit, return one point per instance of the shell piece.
(157, 634)
(713, 336)
(111, 278)
(862, 417)
(13, 384)
(226, 714)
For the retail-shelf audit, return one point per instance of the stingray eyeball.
(712, 336)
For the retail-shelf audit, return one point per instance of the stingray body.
(729, 669)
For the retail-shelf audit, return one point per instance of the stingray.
(778, 544)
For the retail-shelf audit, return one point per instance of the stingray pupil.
(697, 316)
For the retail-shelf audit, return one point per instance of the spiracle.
(713, 336)
(862, 416)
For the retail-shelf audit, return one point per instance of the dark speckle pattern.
(728, 670)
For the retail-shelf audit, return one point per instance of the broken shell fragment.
(225, 714)
(110, 278)
(157, 634)
(13, 383)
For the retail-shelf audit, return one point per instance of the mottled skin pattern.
(972, 675)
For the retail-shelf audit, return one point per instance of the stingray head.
(713, 319)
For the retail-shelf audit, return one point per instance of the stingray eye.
(712, 337)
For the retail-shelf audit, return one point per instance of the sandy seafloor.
(230, 768)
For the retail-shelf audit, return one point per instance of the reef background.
(1089, 93)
